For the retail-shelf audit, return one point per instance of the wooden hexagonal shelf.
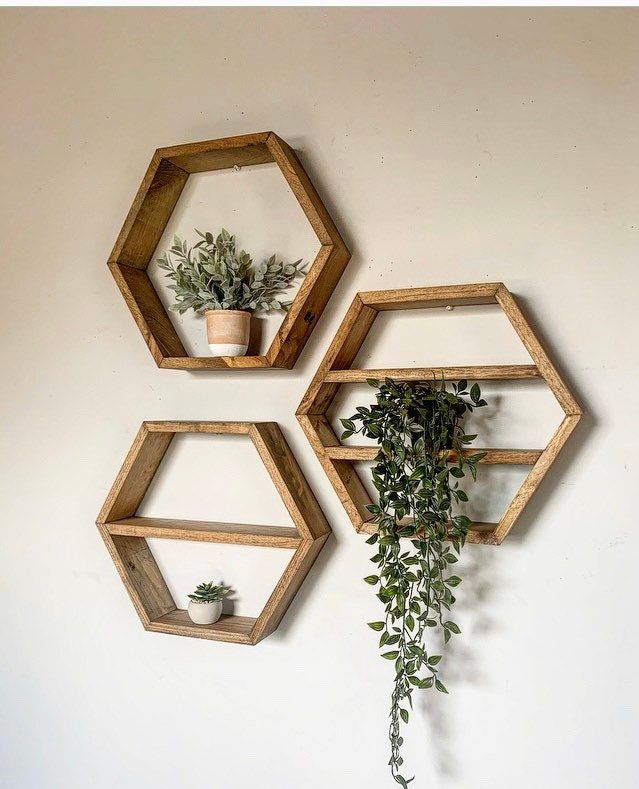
(150, 213)
(125, 533)
(335, 371)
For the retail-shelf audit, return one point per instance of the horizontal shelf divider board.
(478, 532)
(207, 531)
(125, 532)
(149, 215)
(495, 372)
(513, 457)
(335, 370)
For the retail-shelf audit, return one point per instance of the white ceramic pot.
(205, 613)
(228, 332)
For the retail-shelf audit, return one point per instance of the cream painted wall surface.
(451, 146)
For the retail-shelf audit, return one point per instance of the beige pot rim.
(227, 312)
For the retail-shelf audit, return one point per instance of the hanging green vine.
(417, 426)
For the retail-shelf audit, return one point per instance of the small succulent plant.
(213, 275)
(210, 593)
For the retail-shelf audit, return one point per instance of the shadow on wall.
(480, 587)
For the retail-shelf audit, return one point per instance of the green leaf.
(454, 580)
(404, 715)
(440, 686)
(434, 660)
(372, 579)
(452, 627)
(376, 626)
(390, 655)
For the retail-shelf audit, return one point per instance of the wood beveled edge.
(308, 305)
(340, 354)
(535, 476)
(218, 428)
(215, 363)
(304, 191)
(300, 314)
(141, 441)
(401, 298)
(289, 480)
(135, 598)
(171, 179)
(209, 633)
(124, 277)
(341, 474)
(287, 587)
(203, 146)
(538, 353)
(150, 583)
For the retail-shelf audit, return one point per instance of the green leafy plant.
(213, 275)
(417, 474)
(210, 593)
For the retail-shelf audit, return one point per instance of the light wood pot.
(228, 332)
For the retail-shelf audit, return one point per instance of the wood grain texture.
(438, 296)
(539, 355)
(340, 355)
(287, 587)
(478, 533)
(513, 457)
(147, 219)
(214, 363)
(124, 532)
(309, 303)
(493, 372)
(537, 473)
(305, 193)
(140, 574)
(134, 478)
(207, 531)
(152, 207)
(148, 312)
(215, 428)
(345, 481)
(288, 479)
(334, 371)
(223, 154)
(233, 629)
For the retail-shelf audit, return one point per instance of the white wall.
(451, 146)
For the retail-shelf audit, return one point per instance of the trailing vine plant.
(423, 456)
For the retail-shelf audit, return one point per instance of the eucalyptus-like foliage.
(210, 593)
(213, 275)
(417, 426)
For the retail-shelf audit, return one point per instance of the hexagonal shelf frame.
(334, 371)
(151, 210)
(125, 533)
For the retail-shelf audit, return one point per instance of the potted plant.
(423, 456)
(205, 606)
(214, 278)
